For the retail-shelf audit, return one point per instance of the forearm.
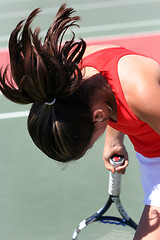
(114, 138)
(114, 145)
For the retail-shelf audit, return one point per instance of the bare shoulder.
(90, 71)
(138, 73)
(140, 80)
(94, 48)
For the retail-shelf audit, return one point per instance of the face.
(100, 127)
(101, 113)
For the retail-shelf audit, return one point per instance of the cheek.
(98, 133)
(102, 130)
(99, 130)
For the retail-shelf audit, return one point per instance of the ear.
(98, 116)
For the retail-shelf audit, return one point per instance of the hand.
(119, 150)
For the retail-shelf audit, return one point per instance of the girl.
(77, 92)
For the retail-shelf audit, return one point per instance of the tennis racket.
(107, 227)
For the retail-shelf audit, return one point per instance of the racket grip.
(115, 178)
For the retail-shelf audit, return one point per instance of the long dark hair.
(41, 72)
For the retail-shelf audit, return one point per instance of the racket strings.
(101, 231)
(117, 235)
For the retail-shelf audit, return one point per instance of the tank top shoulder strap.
(100, 58)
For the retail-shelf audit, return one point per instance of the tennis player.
(77, 92)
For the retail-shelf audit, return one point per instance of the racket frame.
(114, 192)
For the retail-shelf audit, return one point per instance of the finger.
(109, 166)
(121, 169)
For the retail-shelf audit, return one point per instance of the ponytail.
(41, 72)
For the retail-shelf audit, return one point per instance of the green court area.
(39, 198)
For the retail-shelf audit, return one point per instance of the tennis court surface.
(41, 199)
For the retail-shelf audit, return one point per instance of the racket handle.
(115, 178)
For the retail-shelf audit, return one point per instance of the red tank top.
(144, 139)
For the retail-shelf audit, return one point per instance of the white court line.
(106, 27)
(111, 36)
(117, 26)
(111, 4)
(12, 1)
(4, 38)
(14, 115)
(85, 6)
(142, 34)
